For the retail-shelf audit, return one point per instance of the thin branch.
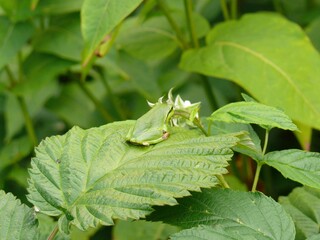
(257, 174)
(223, 181)
(114, 99)
(173, 24)
(256, 177)
(209, 93)
(190, 22)
(95, 101)
(234, 9)
(225, 11)
(23, 106)
(53, 233)
(28, 121)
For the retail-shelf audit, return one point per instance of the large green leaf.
(303, 204)
(12, 38)
(17, 220)
(92, 176)
(268, 56)
(253, 112)
(298, 165)
(99, 17)
(234, 214)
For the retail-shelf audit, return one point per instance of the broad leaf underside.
(92, 176)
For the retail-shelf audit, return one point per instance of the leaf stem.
(53, 233)
(10, 76)
(277, 6)
(190, 22)
(265, 144)
(95, 101)
(196, 121)
(28, 120)
(23, 106)
(223, 181)
(225, 11)
(209, 93)
(114, 99)
(257, 174)
(256, 177)
(173, 24)
(234, 9)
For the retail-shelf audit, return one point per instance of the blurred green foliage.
(67, 63)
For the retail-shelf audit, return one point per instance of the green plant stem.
(234, 9)
(199, 125)
(53, 233)
(209, 93)
(265, 144)
(256, 177)
(196, 121)
(28, 121)
(277, 6)
(10, 76)
(95, 101)
(173, 24)
(190, 22)
(223, 181)
(225, 11)
(114, 99)
(257, 174)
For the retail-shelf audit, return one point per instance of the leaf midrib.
(272, 65)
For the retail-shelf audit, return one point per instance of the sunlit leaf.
(253, 112)
(259, 52)
(92, 176)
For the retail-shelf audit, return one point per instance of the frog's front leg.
(165, 135)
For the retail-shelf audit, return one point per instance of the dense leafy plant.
(185, 168)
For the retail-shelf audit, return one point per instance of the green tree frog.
(152, 127)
